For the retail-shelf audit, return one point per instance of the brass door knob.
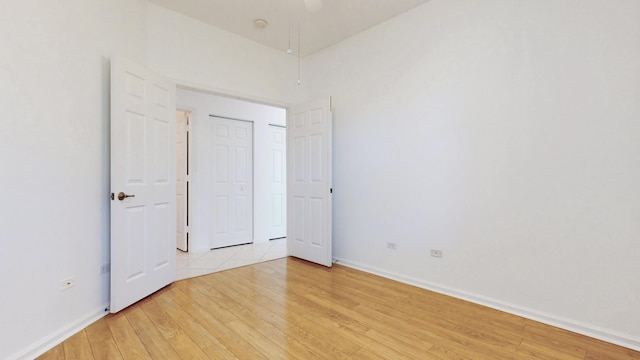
(122, 196)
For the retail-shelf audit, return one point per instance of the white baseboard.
(596, 332)
(49, 342)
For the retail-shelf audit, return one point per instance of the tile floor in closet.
(195, 264)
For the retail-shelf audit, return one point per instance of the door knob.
(122, 196)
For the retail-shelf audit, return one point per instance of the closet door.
(232, 185)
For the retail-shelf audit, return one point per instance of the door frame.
(327, 105)
(186, 201)
(182, 85)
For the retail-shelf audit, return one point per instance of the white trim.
(596, 332)
(188, 85)
(49, 342)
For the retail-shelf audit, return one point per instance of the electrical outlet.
(436, 253)
(392, 245)
(67, 283)
(105, 268)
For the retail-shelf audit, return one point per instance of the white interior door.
(278, 182)
(309, 181)
(182, 120)
(232, 217)
(143, 183)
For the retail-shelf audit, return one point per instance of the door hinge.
(331, 191)
(113, 196)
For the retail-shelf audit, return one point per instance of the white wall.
(54, 136)
(201, 105)
(204, 57)
(54, 151)
(200, 56)
(504, 133)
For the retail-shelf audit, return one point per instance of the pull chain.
(299, 82)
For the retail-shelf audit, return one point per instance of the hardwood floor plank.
(103, 346)
(364, 354)
(286, 300)
(186, 348)
(459, 343)
(609, 351)
(403, 345)
(151, 337)
(219, 352)
(56, 353)
(199, 296)
(264, 309)
(360, 339)
(160, 319)
(262, 343)
(333, 338)
(78, 347)
(284, 313)
(610, 355)
(316, 344)
(442, 353)
(301, 343)
(238, 346)
(188, 323)
(129, 343)
(457, 312)
(290, 309)
(171, 330)
(394, 329)
(542, 350)
(596, 349)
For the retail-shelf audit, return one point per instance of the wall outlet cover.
(67, 283)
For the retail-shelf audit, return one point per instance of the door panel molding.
(143, 162)
(309, 181)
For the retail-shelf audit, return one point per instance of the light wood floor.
(290, 309)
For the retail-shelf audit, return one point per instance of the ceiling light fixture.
(260, 23)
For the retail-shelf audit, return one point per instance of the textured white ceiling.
(335, 21)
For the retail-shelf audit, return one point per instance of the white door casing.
(277, 182)
(181, 180)
(232, 217)
(309, 181)
(143, 163)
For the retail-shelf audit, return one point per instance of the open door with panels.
(143, 183)
(309, 181)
